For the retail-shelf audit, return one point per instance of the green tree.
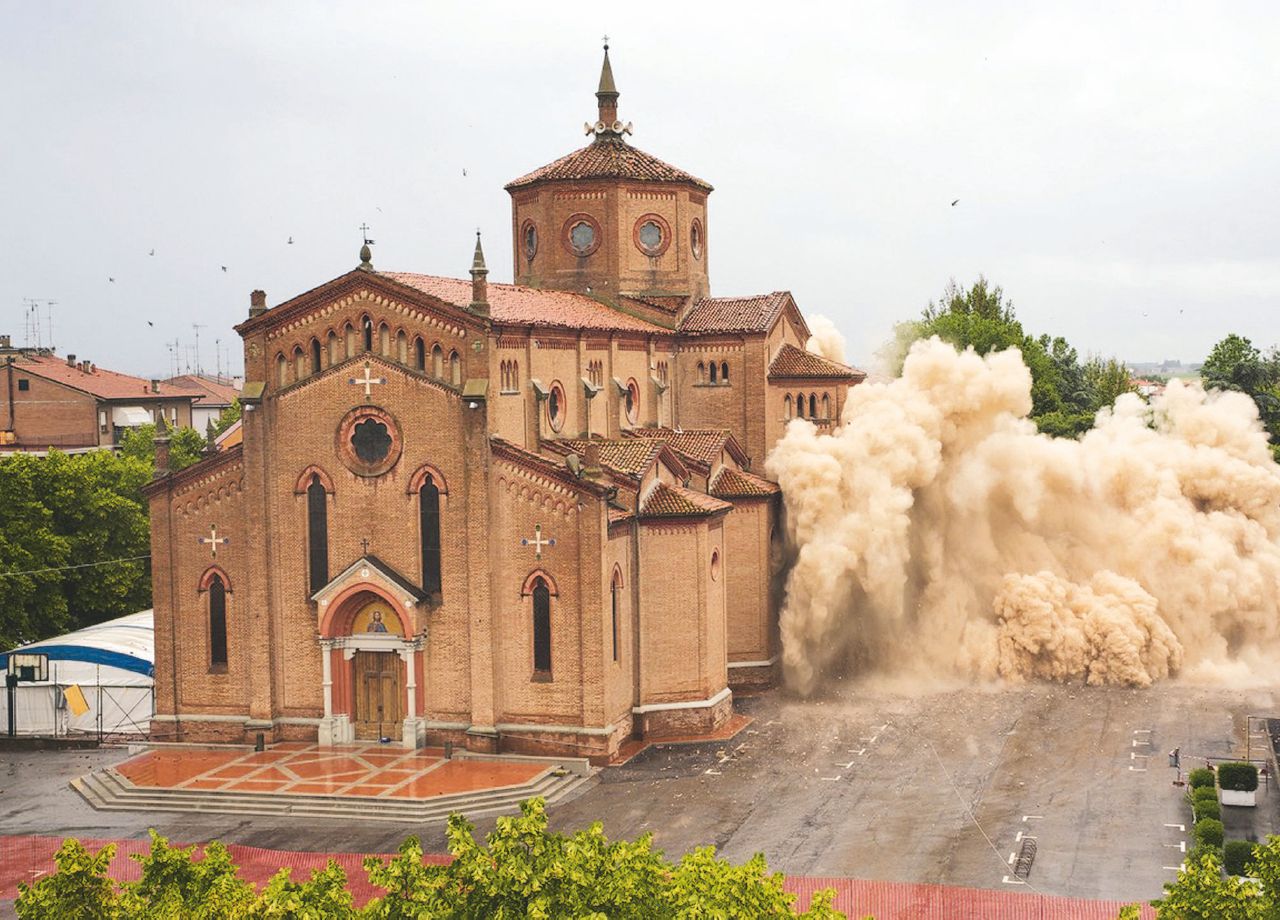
(186, 446)
(32, 553)
(1235, 364)
(1202, 893)
(78, 890)
(228, 417)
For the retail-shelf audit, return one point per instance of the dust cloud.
(938, 535)
(825, 339)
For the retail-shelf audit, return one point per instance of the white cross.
(367, 381)
(537, 542)
(213, 540)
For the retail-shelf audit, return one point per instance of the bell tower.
(611, 220)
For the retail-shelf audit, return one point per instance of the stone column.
(409, 655)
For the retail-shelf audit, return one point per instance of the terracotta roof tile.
(702, 445)
(630, 456)
(712, 315)
(672, 501)
(211, 392)
(617, 515)
(608, 158)
(796, 362)
(510, 303)
(733, 483)
(101, 382)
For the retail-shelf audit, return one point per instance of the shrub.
(1240, 777)
(1201, 777)
(1206, 808)
(1209, 833)
(1236, 855)
(1203, 794)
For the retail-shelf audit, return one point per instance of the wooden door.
(379, 697)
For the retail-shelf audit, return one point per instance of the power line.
(65, 568)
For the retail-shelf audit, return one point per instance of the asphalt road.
(862, 782)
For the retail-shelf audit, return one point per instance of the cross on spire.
(364, 546)
(213, 541)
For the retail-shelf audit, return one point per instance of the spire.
(366, 254)
(479, 281)
(607, 96)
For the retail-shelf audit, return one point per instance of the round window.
(715, 565)
(530, 240)
(581, 235)
(652, 235)
(695, 239)
(632, 401)
(368, 441)
(371, 441)
(556, 407)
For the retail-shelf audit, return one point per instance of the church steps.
(106, 791)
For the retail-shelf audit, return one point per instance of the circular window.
(529, 239)
(715, 565)
(695, 238)
(652, 235)
(369, 441)
(556, 408)
(632, 401)
(581, 235)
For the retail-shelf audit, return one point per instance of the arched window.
(217, 622)
(429, 521)
(317, 533)
(702, 372)
(402, 347)
(724, 372)
(813, 405)
(541, 627)
(366, 325)
(799, 405)
(714, 370)
(419, 354)
(348, 340)
(615, 592)
(437, 361)
(786, 406)
(632, 402)
(455, 369)
(333, 348)
(299, 363)
(826, 406)
(282, 370)
(315, 355)
(384, 340)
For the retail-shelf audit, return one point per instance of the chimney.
(93, 368)
(591, 459)
(257, 303)
(162, 455)
(4, 341)
(155, 385)
(71, 360)
(479, 281)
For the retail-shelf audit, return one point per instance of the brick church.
(517, 517)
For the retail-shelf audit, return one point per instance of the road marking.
(1134, 755)
(1012, 881)
(871, 740)
(859, 751)
(1135, 742)
(1012, 857)
(1032, 817)
(1181, 827)
(710, 772)
(830, 779)
(1172, 868)
(1176, 846)
(1142, 731)
(845, 766)
(1021, 837)
(1137, 769)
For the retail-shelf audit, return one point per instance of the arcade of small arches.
(811, 406)
(365, 337)
(713, 373)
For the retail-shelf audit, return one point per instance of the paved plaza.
(935, 787)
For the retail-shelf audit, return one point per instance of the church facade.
(524, 517)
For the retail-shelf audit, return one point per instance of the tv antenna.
(197, 327)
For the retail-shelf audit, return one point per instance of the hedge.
(1203, 794)
(1209, 832)
(1240, 777)
(1236, 855)
(1207, 808)
(1201, 777)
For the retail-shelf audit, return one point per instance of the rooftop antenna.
(217, 357)
(174, 350)
(197, 327)
(48, 314)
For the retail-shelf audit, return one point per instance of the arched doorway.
(378, 702)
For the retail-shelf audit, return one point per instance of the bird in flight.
(224, 268)
(464, 172)
(149, 323)
(956, 202)
(290, 241)
(151, 253)
(112, 280)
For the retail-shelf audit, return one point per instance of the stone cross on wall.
(367, 381)
(213, 541)
(538, 541)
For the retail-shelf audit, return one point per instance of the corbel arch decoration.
(304, 480)
(615, 580)
(212, 572)
(420, 476)
(531, 582)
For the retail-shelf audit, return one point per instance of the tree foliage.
(1235, 364)
(228, 417)
(522, 870)
(62, 515)
(186, 446)
(1066, 393)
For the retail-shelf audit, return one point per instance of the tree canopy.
(1236, 364)
(186, 446)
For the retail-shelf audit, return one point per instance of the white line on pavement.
(1181, 827)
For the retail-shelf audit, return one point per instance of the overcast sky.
(1117, 165)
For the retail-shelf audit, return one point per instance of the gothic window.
(663, 373)
(315, 355)
(813, 405)
(615, 590)
(437, 361)
(786, 406)
(282, 370)
(367, 327)
(371, 440)
(419, 354)
(714, 371)
(317, 533)
(429, 520)
(348, 340)
(800, 405)
(455, 369)
(402, 347)
(702, 372)
(724, 372)
(334, 358)
(541, 627)
(826, 406)
(217, 622)
(384, 340)
(299, 363)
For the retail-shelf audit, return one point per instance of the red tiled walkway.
(26, 858)
(308, 769)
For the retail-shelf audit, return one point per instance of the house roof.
(630, 456)
(673, 501)
(733, 483)
(231, 437)
(796, 362)
(701, 445)
(99, 382)
(212, 392)
(608, 157)
(713, 315)
(524, 306)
